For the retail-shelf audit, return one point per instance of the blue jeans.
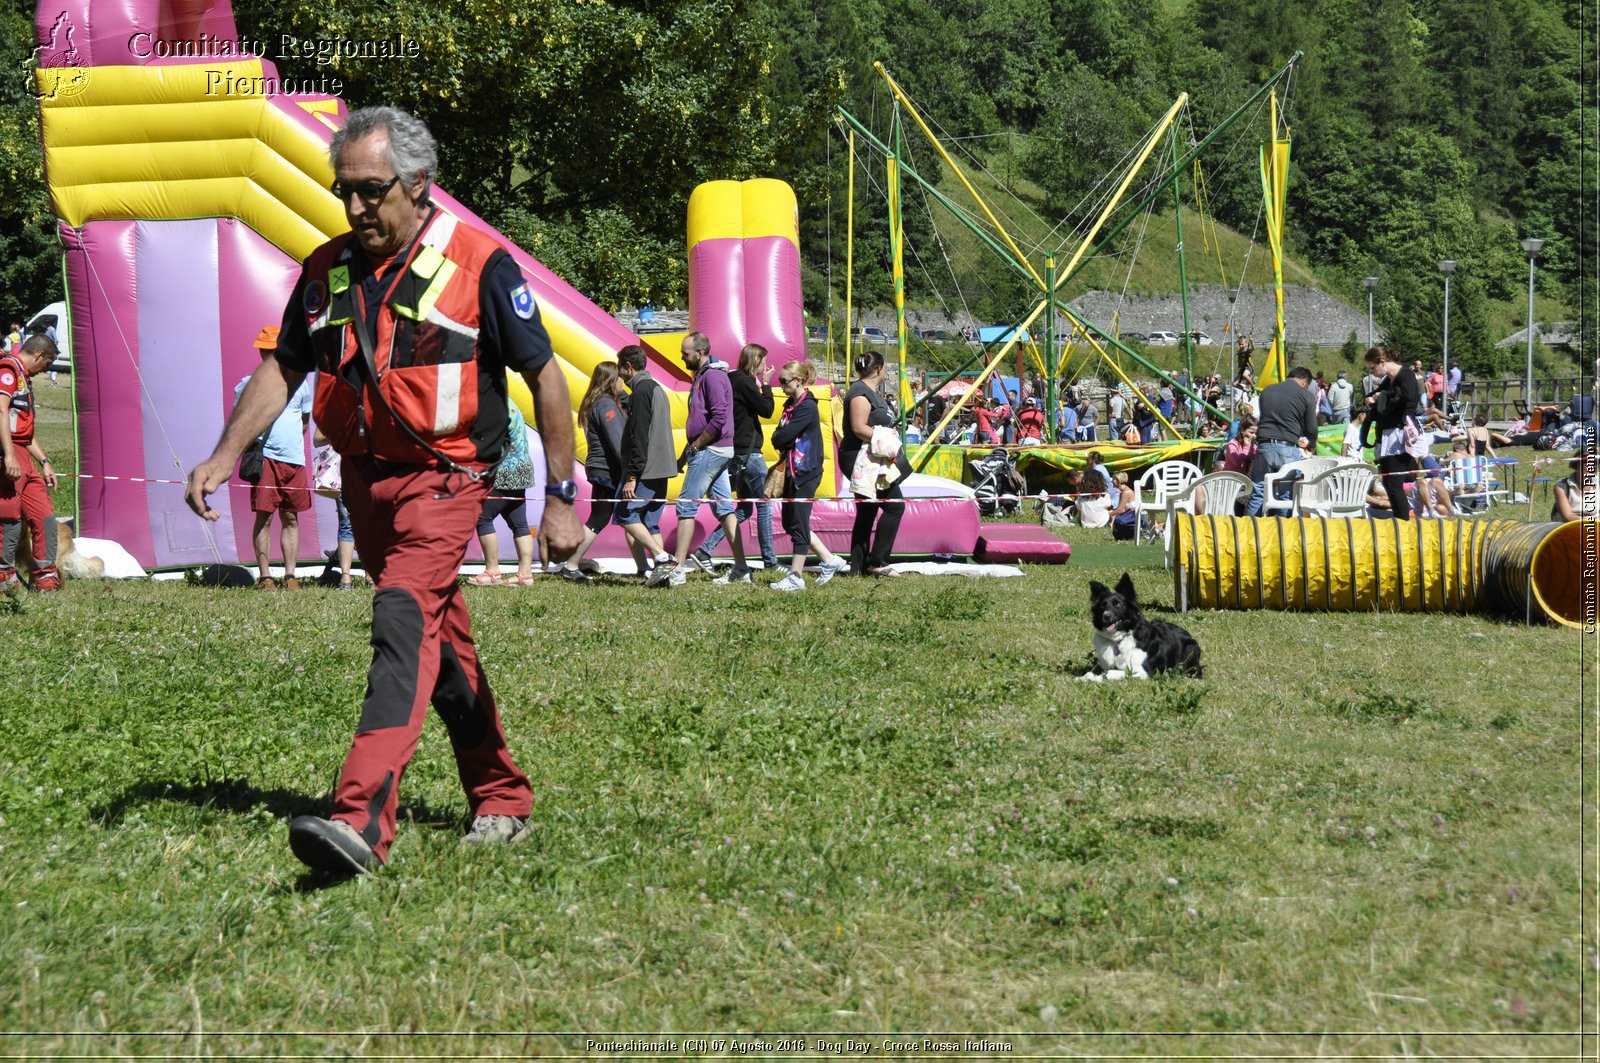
(1270, 457)
(707, 472)
(346, 533)
(646, 505)
(749, 472)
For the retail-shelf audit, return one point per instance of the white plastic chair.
(1221, 491)
(1473, 483)
(1306, 467)
(1164, 480)
(1337, 492)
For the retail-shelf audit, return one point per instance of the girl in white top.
(1094, 506)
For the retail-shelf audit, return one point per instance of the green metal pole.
(1110, 340)
(956, 211)
(1050, 352)
(1150, 197)
(1183, 262)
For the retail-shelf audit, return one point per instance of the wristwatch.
(566, 490)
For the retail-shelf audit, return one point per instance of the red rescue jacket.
(425, 348)
(19, 390)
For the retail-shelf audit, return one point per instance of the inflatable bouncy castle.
(189, 181)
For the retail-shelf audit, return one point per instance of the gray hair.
(413, 152)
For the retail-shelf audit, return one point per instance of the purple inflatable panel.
(748, 291)
(930, 526)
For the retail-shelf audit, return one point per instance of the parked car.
(1200, 339)
(1134, 337)
(1162, 339)
(819, 332)
(870, 334)
(53, 321)
(935, 335)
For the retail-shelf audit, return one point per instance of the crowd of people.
(1397, 417)
(631, 458)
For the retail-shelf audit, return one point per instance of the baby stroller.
(999, 485)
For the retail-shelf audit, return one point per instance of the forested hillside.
(1423, 129)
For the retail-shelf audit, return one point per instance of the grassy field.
(881, 810)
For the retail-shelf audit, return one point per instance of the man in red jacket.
(24, 492)
(419, 414)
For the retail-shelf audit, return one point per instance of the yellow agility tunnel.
(1535, 571)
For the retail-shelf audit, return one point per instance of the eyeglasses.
(371, 192)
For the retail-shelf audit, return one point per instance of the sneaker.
(677, 576)
(573, 575)
(791, 582)
(660, 574)
(8, 579)
(552, 567)
(827, 572)
(700, 561)
(331, 845)
(770, 563)
(589, 567)
(733, 575)
(497, 830)
(46, 579)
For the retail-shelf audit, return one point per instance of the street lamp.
(1447, 267)
(1371, 284)
(1531, 246)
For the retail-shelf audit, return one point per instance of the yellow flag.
(1274, 190)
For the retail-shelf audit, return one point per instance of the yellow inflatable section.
(743, 210)
(1532, 571)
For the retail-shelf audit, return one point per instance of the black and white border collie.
(1127, 646)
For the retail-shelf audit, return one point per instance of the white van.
(53, 319)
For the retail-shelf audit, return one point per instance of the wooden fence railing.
(1503, 398)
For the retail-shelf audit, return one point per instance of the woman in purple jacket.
(798, 441)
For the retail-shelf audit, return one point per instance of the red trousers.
(411, 528)
(28, 500)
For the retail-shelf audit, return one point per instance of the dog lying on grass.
(1128, 646)
(69, 563)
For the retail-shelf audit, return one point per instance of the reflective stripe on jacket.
(425, 348)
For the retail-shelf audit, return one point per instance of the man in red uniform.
(24, 493)
(410, 322)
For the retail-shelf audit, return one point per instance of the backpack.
(253, 460)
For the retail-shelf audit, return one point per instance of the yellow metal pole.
(897, 242)
(1118, 370)
(849, 259)
(960, 176)
(978, 384)
(1144, 153)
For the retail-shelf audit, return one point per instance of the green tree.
(30, 252)
(576, 112)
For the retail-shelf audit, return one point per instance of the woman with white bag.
(878, 502)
